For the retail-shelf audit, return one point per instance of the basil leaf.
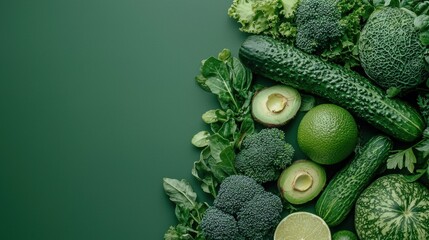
(217, 145)
(213, 116)
(202, 170)
(213, 67)
(180, 192)
(201, 81)
(247, 127)
(241, 77)
(218, 86)
(227, 160)
(224, 55)
(201, 139)
(228, 129)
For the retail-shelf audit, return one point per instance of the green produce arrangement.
(353, 76)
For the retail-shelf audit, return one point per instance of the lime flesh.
(302, 226)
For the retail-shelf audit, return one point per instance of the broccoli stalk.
(264, 155)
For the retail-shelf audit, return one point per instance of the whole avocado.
(390, 51)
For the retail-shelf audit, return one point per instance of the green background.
(97, 104)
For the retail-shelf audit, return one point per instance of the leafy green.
(277, 19)
(402, 158)
(227, 78)
(189, 212)
(391, 50)
(268, 17)
(416, 157)
(201, 139)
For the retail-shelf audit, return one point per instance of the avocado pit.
(276, 105)
(302, 181)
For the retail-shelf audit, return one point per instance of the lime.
(344, 235)
(327, 134)
(302, 226)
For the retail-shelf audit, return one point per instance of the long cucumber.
(339, 197)
(281, 62)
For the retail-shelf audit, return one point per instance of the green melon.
(392, 208)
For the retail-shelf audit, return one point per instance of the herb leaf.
(188, 211)
(230, 81)
(180, 192)
(423, 147)
(201, 139)
(410, 160)
(415, 177)
(402, 158)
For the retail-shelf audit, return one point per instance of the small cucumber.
(338, 198)
(278, 61)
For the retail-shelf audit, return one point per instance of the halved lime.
(302, 226)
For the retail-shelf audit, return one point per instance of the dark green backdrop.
(97, 104)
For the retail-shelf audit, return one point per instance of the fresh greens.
(268, 17)
(230, 81)
(401, 158)
(416, 157)
(276, 18)
(390, 50)
(188, 211)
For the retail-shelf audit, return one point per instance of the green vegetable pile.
(369, 60)
(297, 22)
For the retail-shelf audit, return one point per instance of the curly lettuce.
(267, 17)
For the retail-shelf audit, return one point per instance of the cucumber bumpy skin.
(339, 197)
(280, 62)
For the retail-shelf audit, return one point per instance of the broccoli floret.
(264, 155)
(318, 23)
(217, 225)
(234, 191)
(254, 212)
(258, 218)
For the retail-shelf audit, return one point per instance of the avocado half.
(302, 181)
(274, 106)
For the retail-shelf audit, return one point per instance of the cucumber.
(280, 62)
(339, 197)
